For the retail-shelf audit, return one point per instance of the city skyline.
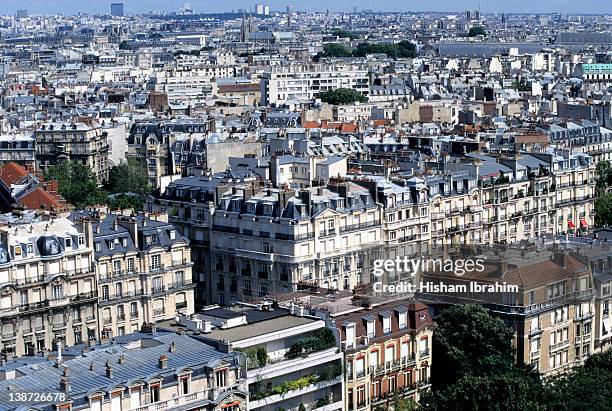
(137, 6)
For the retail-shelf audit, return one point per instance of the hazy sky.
(135, 6)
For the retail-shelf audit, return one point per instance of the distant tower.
(21, 14)
(246, 28)
(117, 9)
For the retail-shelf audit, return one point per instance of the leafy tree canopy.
(603, 210)
(341, 96)
(403, 49)
(77, 184)
(603, 176)
(129, 177)
(477, 31)
(344, 34)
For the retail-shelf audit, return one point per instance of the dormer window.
(172, 234)
(221, 378)
(68, 242)
(370, 329)
(349, 329)
(97, 246)
(81, 240)
(386, 322)
(402, 320)
(30, 249)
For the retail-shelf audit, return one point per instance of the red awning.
(571, 224)
(583, 223)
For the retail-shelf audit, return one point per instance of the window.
(389, 354)
(424, 346)
(266, 247)
(117, 266)
(57, 292)
(370, 328)
(402, 320)
(184, 385)
(155, 262)
(130, 265)
(350, 335)
(386, 324)
(95, 404)
(155, 392)
(158, 284)
(179, 278)
(221, 378)
(134, 310)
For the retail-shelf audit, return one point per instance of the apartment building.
(268, 241)
(583, 136)
(532, 194)
(292, 359)
(145, 371)
(84, 141)
(190, 87)
(48, 293)
(388, 353)
(599, 259)
(18, 148)
(293, 82)
(549, 302)
(597, 76)
(143, 267)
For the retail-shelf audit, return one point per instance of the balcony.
(159, 311)
(176, 402)
(58, 301)
(559, 346)
(9, 310)
(583, 317)
(157, 267)
(562, 299)
(158, 289)
(424, 353)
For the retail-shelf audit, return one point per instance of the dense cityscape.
(283, 210)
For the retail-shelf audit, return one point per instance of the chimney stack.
(163, 361)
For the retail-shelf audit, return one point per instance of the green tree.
(585, 388)
(603, 176)
(403, 49)
(335, 50)
(465, 340)
(341, 96)
(475, 367)
(477, 31)
(506, 388)
(77, 184)
(344, 34)
(129, 177)
(125, 201)
(603, 210)
(403, 404)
